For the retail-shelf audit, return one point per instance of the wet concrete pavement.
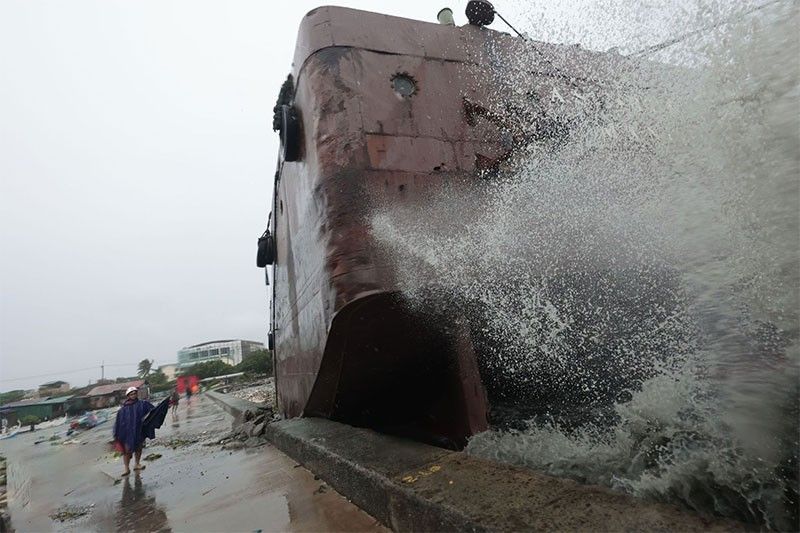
(193, 486)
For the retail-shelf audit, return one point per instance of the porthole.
(404, 85)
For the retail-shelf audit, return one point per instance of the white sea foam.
(655, 252)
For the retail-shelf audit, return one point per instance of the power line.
(66, 372)
(52, 374)
(666, 44)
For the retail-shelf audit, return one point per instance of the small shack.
(112, 394)
(43, 409)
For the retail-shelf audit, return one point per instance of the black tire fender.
(266, 250)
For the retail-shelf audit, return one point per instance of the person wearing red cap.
(128, 434)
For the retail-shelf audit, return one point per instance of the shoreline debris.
(66, 513)
(250, 433)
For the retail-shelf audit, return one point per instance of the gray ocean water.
(637, 284)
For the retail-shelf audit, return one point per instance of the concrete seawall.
(410, 486)
(232, 405)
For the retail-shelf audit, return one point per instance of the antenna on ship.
(481, 13)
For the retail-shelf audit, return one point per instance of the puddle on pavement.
(191, 486)
(139, 510)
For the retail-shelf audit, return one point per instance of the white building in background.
(229, 351)
(169, 370)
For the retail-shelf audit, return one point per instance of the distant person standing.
(128, 434)
(174, 400)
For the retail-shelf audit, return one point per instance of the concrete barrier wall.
(410, 486)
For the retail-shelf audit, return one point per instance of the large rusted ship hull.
(387, 111)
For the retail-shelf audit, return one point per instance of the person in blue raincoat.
(128, 433)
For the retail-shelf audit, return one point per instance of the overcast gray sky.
(136, 159)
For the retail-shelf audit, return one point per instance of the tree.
(157, 378)
(145, 365)
(258, 362)
(30, 420)
(209, 369)
(11, 396)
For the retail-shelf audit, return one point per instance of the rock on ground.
(262, 392)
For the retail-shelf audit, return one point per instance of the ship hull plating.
(389, 111)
